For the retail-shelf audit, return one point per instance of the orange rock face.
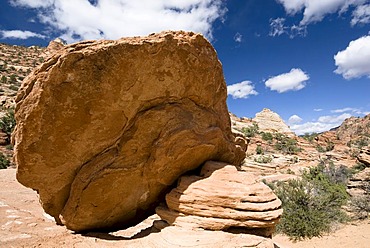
(105, 127)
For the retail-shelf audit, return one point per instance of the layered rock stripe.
(105, 127)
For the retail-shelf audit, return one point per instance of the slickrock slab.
(177, 237)
(220, 198)
(105, 127)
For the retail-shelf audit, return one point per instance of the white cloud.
(311, 127)
(295, 119)
(323, 123)
(19, 34)
(361, 15)
(238, 37)
(318, 110)
(315, 11)
(277, 27)
(78, 20)
(353, 62)
(334, 118)
(32, 3)
(293, 80)
(241, 90)
(342, 110)
(356, 111)
(292, 6)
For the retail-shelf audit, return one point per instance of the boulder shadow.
(116, 236)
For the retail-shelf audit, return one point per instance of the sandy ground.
(355, 235)
(24, 224)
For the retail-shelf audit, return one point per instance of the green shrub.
(4, 79)
(286, 145)
(13, 78)
(250, 131)
(294, 160)
(309, 137)
(357, 168)
(267, 136)
(263, 159)
(259, 150)
(13, 87)
(360, 206)
(7, 123)
(363, 141)
(320, 148)
(9, 147)
(4, 162)
(313, 203)
(329, 146)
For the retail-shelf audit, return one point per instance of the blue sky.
(307, 60)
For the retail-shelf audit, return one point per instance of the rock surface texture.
(105, 127)
(364, 156)
(222, 198)
(269, 121)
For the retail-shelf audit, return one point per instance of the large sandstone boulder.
(105, 127)
(220, 198)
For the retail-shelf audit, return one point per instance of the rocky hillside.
(355, 130)
(272, 145)
(16, 62)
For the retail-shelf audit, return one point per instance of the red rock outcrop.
(222, 198)
(105, 127)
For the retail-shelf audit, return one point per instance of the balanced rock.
(222, 198)
(105, 127)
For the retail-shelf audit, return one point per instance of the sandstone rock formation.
(269, 121)
(105, 127)
(54, 46)
(240, 123)
(359, 184)
(222, 198)
(364, 156)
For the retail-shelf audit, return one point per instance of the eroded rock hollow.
(105, 127)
